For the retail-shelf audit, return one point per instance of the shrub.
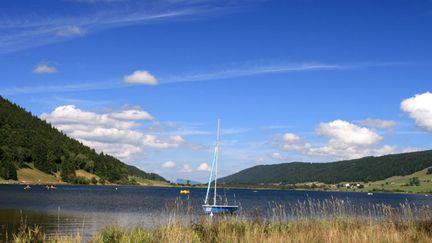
(81, 180)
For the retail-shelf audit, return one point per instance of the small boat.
(216, 208)
(27, 187)
(370, 194)
(184, 192)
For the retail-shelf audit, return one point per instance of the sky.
(295, 80)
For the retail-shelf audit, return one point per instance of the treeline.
(364, 169)
(25, 138)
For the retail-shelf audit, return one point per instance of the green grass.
(31, 175)
(147, 182)
(35, 176)
(399, 184)
(391, 184)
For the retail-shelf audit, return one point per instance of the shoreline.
(229, 187)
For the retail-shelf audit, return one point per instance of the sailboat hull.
(219, 209)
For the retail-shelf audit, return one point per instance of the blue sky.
(297, 80)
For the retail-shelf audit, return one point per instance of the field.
(146, 182)
(400, 184)
(33, 176)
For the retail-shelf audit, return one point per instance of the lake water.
(88, 209)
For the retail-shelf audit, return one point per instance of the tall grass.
(330, 220)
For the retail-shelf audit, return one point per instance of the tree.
(414, 181)
(67, 171)
(25, 138)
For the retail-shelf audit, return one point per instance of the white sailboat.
(215, 207)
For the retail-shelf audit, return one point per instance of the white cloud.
(349, 141)
(141, 77)
(410, 149)
(132, 115)
(419, 108)
(119, 150)
(71, 30)
(290, 137)
(378, 123)
(168, 164)
(345, 141)
(347, 133)
(104, 133)
(186, 168)
(281, 157)
(44, 69)
(336, 150)
(293, 142)
(69, 114)
(203, 167)
(37, 28)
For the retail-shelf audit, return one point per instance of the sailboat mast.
(216, 162)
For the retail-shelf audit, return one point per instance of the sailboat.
(215, 207)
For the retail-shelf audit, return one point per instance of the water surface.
(88, 209)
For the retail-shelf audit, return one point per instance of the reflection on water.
(88, 209)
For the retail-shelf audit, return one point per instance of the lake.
(88, 209)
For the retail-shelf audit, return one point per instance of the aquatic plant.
(331, 220)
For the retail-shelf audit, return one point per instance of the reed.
(330, 220)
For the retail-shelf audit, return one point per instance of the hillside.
(27, 142)
(364, 169)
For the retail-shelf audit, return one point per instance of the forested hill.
(364, 169)
(25, 139)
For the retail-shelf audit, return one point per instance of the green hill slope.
(25, 139)
(364, 169)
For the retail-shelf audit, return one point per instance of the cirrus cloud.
(378, 123)
(71, 30)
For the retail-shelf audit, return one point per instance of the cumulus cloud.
(203, 167)
(347, 133)
(141, 77)
(186, 168)
(419, 108)
(345, 140)
(44, 69)
(378, 123)
(290, 137)
(349, 141)
(71, 30)
(347, 151)
(133, 114)
(106, 133)
(291, 141)
(169, 164)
